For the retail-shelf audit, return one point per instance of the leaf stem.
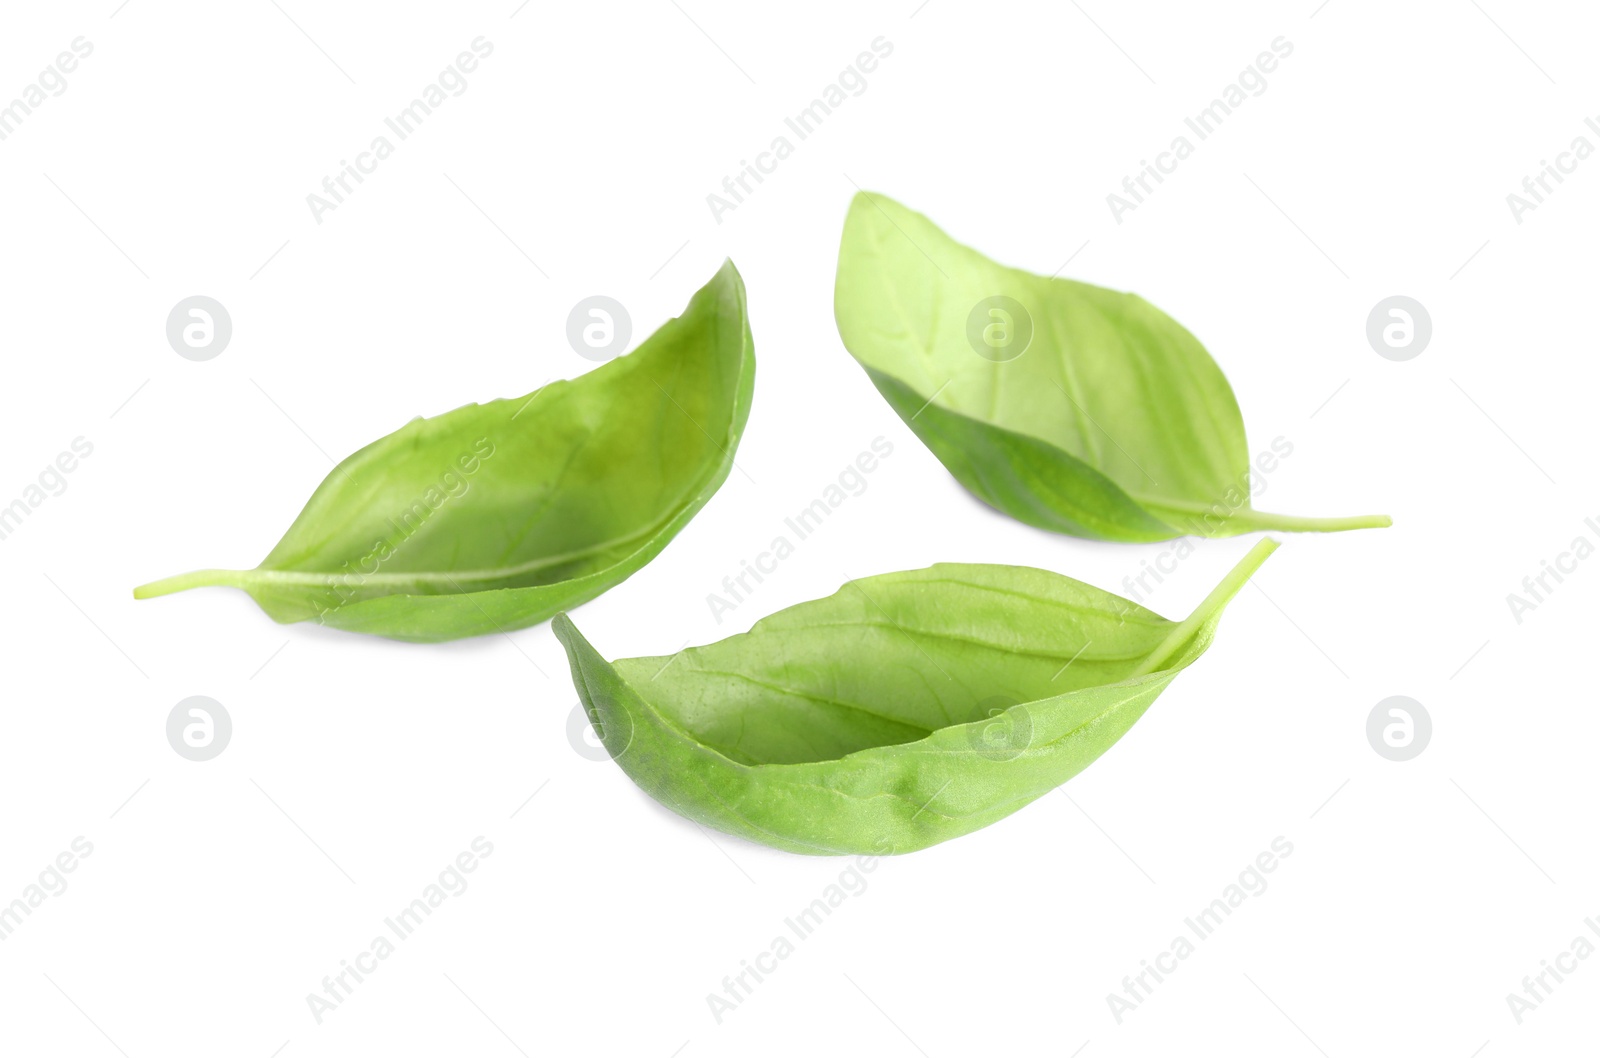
(1209, 607)
(1293, 523)
(200, 578)
(1192, 518)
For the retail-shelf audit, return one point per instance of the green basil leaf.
(1067, 406)
(905, 710)
(496, 516)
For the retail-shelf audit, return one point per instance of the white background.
(178, 162)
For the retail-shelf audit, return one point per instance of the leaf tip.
(564, 630)
(864, 200)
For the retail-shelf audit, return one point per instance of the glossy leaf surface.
(905, 710)
(496, 516)
(1067, 406)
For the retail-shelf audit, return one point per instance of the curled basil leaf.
(905, 710)
(496, 516)
(1067, 406)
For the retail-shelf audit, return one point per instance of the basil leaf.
(496, 516)
(905, 710)
(1067, 406)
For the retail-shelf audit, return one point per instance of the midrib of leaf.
(451, 578)
(244, 578)
(1134, 692)
(821, 699)
(1091, 443)
(1148, 617)
(919, 731)
(907, 749)
(1208, 610)
(953, 637)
